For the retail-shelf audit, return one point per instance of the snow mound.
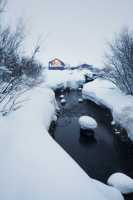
(57, 79)
(105, 93)
(113, 123)
(87, 122)
(80, 100)
(80, 89)
(122, 182)
(63, 101)
(62, 96)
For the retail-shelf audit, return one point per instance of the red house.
(56, 64)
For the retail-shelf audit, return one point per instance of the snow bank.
(104, 92)
(87, 122)
(66, 78)
(87, 72)
(122, 182)
(33, 166)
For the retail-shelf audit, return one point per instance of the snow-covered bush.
(17, 72)
(11, 56)
(120, 59)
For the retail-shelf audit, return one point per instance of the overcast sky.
(75, 31)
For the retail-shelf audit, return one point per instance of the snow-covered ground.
(32, 165)
(66, 78)
(104, 92)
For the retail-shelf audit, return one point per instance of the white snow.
(80, 89)
(80, 100)
(117, 132)
(33, 166)
(87, 122)
(87, 72)
(63, 101)
(62, 96)
(122, 182)
(66, 78)
(113, 123)
(104, 92)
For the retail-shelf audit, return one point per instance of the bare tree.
(10, 45)
(120, 59)
(18, 73)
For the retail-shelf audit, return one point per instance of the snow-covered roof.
(57, 60)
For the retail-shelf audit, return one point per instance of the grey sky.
(73, 30)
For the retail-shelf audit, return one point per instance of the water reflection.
(84, 140)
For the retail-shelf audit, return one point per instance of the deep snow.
(104, 92)
(33, 166)
(122, 182)
(87, 122)
(66, 78)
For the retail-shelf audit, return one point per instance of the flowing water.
(99, 156)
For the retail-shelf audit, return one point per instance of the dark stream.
(101, 155)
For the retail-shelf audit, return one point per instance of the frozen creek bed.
(100, 156)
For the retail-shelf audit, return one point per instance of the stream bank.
(99, 156)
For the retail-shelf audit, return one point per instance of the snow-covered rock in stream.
(55, 118)
(80, 100)
(105, 93)
(80, 89)
(117, 132)
(87, 122)
(62, 96)
(113, 123)
(32, 165)
(122, 182)
(63, 101)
